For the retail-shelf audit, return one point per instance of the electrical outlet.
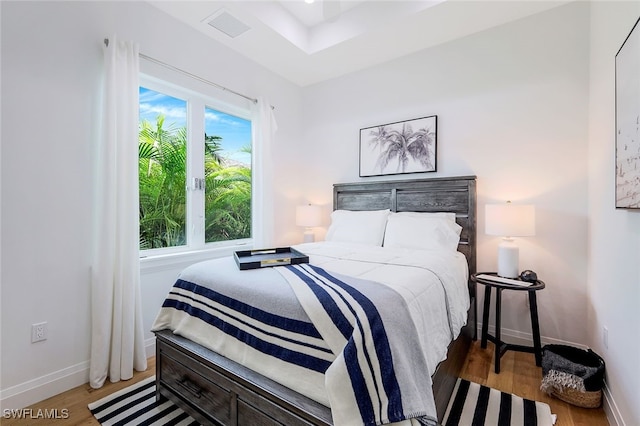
(605, 337)
(38, 332)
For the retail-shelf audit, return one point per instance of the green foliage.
(228, 204)
(162, 173)
(212, 148)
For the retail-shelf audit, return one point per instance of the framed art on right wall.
(628, 121)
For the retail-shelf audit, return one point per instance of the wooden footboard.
(215, 390)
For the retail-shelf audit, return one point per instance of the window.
(194, 170)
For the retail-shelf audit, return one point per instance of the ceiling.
(309, 43)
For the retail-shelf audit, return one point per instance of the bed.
(237, 389)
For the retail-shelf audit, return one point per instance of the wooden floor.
(76, 401)
(518, 375)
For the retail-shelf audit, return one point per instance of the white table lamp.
(509, 220)
(308, 216)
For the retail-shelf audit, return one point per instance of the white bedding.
(434, 285)
(420, 276)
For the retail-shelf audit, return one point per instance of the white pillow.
(422, 232)
(361, 227)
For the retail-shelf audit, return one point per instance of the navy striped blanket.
(379, 375)
(346, 342)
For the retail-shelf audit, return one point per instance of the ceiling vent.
(227, 23)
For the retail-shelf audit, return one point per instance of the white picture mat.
(628, 122)
(374, 146)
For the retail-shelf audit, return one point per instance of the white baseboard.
(150, 347)
(522, 338)
(610, 408)
(41, 388)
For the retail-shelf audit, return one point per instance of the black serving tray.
(265, 258)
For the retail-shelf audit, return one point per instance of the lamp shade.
(308, 216)
(510, 220)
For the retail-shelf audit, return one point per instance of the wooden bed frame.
(216, 390)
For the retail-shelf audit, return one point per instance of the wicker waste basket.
(573, 375)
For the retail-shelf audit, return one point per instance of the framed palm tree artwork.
(401, 147)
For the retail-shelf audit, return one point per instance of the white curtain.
(264, 128)
(117, 337)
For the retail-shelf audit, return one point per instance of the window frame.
(194, 227)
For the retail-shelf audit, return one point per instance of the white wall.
(512, 109)
(614, 235)
(51, 67)
(520, 106)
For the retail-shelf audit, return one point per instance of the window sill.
(161, 262)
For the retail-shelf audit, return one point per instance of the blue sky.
(235, 131)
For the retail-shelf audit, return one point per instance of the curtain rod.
(187, 73)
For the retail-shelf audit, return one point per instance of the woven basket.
(573, 375)
(581, 399)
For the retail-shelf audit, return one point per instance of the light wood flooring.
(519, 375)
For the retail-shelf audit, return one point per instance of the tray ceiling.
(309, 43)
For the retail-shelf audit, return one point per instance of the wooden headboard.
(447, 194)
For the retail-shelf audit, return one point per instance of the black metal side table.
(502, 347)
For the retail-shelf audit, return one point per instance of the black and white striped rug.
(136, 405)
(471, 404)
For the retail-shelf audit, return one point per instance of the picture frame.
(627, 84)
(401, 147)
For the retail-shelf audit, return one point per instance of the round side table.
(502, 347)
